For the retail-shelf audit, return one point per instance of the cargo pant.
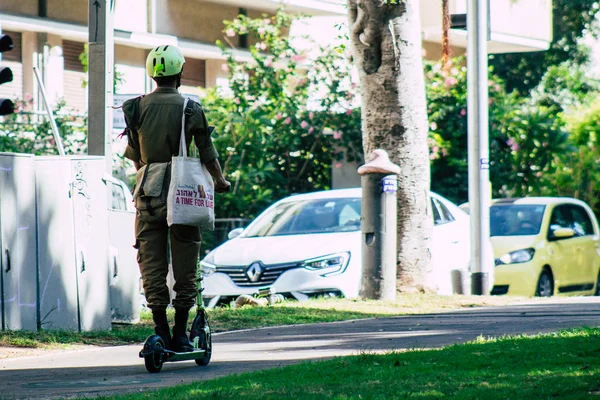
(152, 234)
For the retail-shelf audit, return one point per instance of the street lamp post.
(478, 145)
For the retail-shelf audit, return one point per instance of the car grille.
(269, 275)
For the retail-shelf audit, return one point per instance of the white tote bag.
(191, 199)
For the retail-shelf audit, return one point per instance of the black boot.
(161, 326)
(180, 342)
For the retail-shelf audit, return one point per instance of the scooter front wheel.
(201, 330)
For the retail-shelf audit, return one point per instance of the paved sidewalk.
(111, 370)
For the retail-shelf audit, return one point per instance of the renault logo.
(254, 272)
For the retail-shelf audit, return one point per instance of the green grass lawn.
(287, 313)
(565, 365)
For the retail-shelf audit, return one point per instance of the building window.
(16, 54)
(194, 73)
(71, 52)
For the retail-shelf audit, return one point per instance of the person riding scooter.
(153, 131)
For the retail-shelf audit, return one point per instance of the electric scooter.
(155, 354)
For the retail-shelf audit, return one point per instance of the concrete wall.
(433, 51)
(525, 18)
(23, 7)
(75, 11)
(183, 18)
(130, 56)
(196, 20)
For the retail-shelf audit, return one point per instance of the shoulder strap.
(182, 141)
(187, 114)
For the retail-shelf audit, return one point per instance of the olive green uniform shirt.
(154, 121)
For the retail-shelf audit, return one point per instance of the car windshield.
(516, 220)
(301, 217)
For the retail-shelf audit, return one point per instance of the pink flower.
(279, 116)
(337, 135)
(266, 21)
(338, 165)
(269, 62)
(433, 126)
(539, 174)
(450, 82)
(514, 146)
(237, 100)
(230, 32)
(225, 67)
(311, 129)
(303, 124)
(463, 112)
(288, 121)
(261, 30)
(349, 111)
(311, 115)
(298, 57)
(261, 45)
(28, 97)
(432, 156)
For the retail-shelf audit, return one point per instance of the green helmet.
(164, 61)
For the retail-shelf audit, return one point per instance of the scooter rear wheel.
(153, 356)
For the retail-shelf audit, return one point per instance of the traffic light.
(6, 75)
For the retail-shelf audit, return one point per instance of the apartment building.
(51, 35)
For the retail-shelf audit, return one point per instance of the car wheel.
(545, 286)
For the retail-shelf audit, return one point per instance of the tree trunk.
(386, 40)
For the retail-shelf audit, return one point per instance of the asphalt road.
(111, 370)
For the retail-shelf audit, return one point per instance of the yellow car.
(544, 246)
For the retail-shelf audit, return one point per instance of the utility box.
(18, 277)
(73, 248)
(125, 278)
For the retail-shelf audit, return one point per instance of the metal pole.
(100, 75)
(55, 132)
(478, 142)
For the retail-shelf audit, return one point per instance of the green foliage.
(578, 175)
(571, 20)
(566, 86)
(31, 133)
(281, 119)
(523, 136)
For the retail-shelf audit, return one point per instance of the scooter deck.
(169, 355)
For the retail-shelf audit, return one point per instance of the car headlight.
(516, 257)
(332, 264)
(207, 265)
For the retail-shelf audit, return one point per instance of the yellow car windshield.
(516, 219)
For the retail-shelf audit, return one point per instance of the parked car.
(310, 244)
(544, 246)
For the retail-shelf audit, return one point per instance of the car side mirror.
(235, 233)
(563, 233)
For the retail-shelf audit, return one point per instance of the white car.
(310, 244)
